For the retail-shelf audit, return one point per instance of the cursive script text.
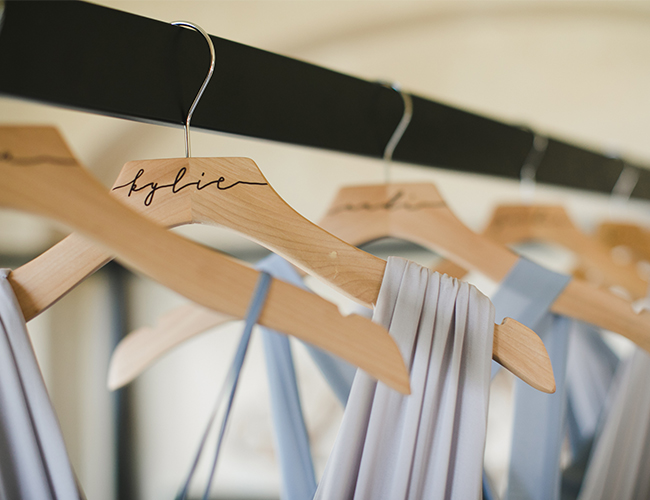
(8, 157)
(176, 187)
(395, 203)
(530, 218)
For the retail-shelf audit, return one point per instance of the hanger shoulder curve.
(414, 212)
(588, 303)
(516, 347)
(635, 237)
(417, 212)
(48, 277)
(513, 352)
(233, 193)
(142, 347)
(366, 277)
(512, 224)
(508, 344)
(34, 180)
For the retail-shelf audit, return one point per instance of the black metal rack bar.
(93, 58)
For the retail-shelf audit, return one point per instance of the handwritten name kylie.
(177, 187)
(394, 203)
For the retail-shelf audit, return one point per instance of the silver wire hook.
(399, 130)
(213, 60)
(626, 182)
(623, 188)
(532, 162)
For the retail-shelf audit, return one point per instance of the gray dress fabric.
(298, 480)
(338, 373)
(34, 463)
(289, 430)
(526, 295)
(229, 387)
(584, 368)
(429, 444)
(620, 460)
(590, 372)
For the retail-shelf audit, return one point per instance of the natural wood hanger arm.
(41, 176)
(259, 213)
(142, 347)
(522, 352)
(511, 224)
(361, 214)
(633, 236)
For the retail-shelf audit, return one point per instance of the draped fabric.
(583, 366)
(539, 424)
(590, 372)
(591, 368)
(298, 481)
(229, 387)
(526, 295)
(289, 430)
(620, 460)
(428, 444)
(34, 463)
(337, 372)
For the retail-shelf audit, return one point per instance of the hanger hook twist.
(213, 60)
(399, 130)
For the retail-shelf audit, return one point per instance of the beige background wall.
(576, 70)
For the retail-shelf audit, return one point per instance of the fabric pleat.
(430, 443)
(34, 463)
(590, 371)
(526, 295)
(620, 460)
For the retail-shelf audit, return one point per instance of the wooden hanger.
(231, 192)
(142, 347)
(40, 175)
(516, 347)
(417, 213)
(511, 224)
(634, 237)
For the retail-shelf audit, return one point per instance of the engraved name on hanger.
(176, 186)
(26, 161)
(533, 216)
(394, 203)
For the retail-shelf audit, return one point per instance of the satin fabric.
(289, 429)
(298, 480)
(34, 463)
(526, 295)
(583, 366)
(428, 444)
(620, 460)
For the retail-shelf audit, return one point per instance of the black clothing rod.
(93, 58)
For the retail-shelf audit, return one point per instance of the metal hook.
(213, 60)
(623, 188)
(531, 164)
(626, 182)
(2, 13)
(399, 131)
